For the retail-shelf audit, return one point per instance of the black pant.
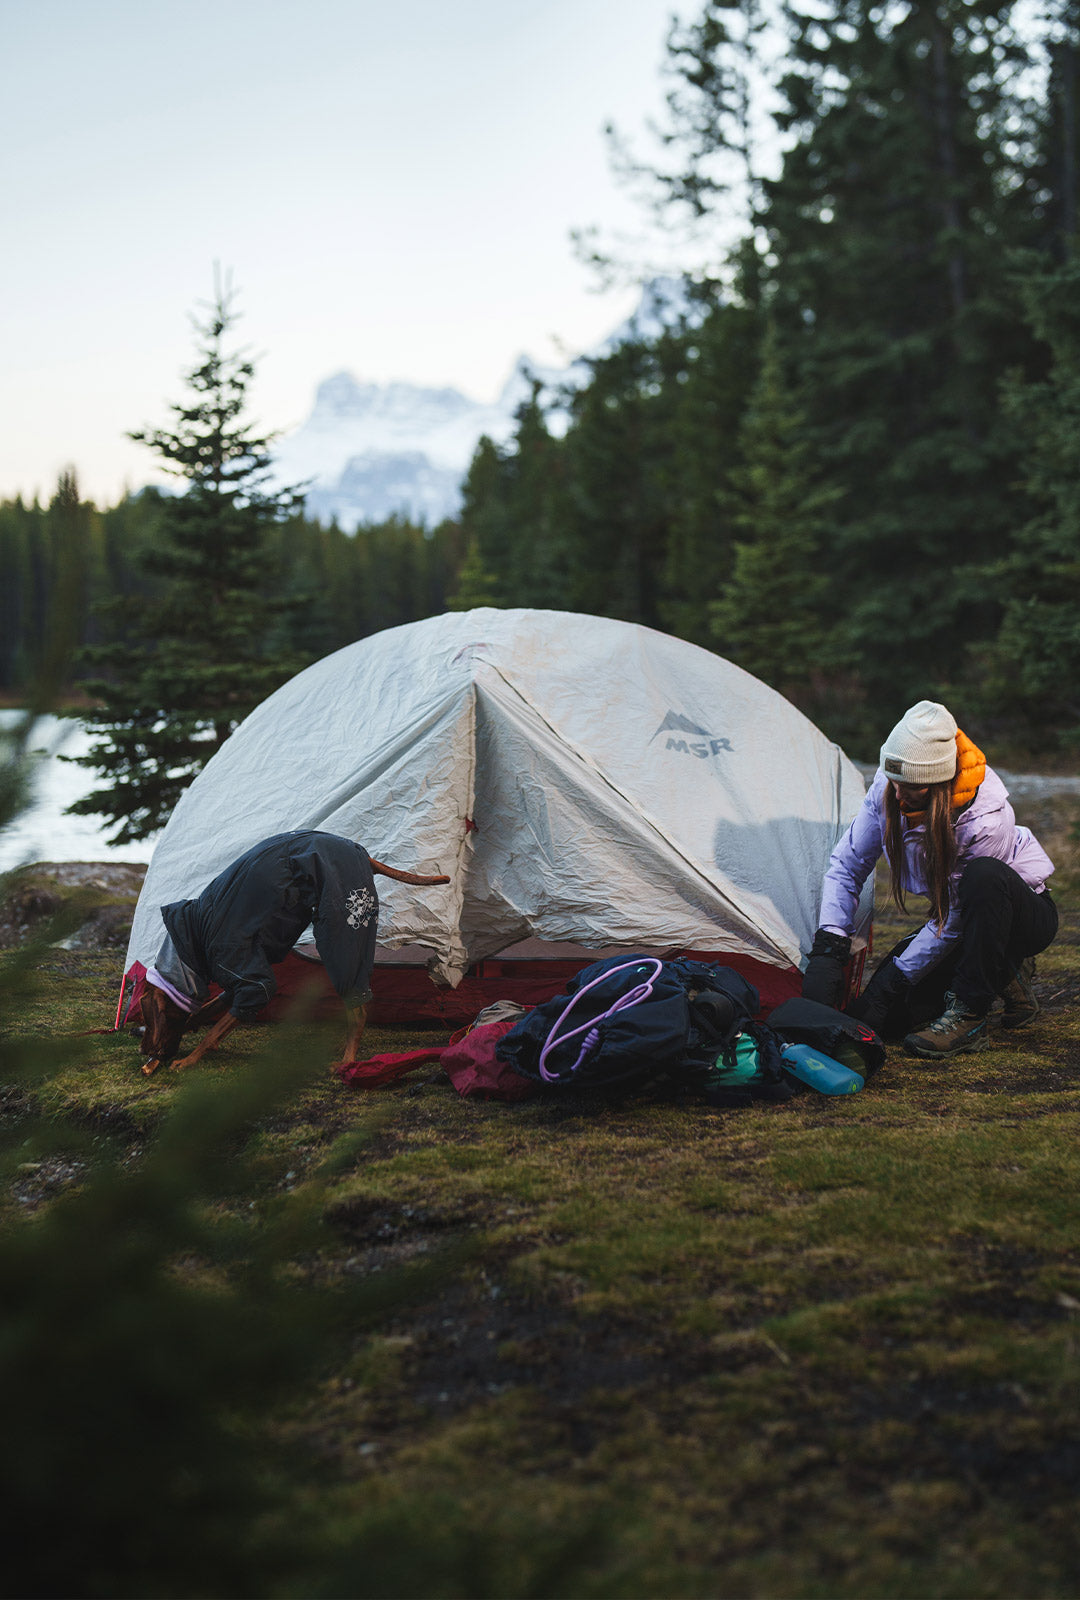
(1001, 922)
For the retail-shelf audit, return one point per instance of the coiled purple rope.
(591, 1030)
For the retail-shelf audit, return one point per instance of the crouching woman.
(943, 820)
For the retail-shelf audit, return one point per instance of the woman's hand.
(824, 978)
(883, 1003)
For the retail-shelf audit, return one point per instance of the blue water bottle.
(820, 1072)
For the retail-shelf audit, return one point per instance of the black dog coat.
(252, 914)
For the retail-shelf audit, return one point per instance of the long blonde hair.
(939, 846)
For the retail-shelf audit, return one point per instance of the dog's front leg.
(355, 1017)
(222, 1026)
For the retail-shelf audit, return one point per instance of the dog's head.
(163, 1026)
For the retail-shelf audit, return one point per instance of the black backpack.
(629, 1019)
(854, 1044)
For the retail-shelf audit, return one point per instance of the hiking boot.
(956, 1032)
(1020, 1003)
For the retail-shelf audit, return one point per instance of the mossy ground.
(828, 1348)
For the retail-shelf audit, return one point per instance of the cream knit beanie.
(922, 747)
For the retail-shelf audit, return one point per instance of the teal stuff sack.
(747, 1070)
(744, 1066)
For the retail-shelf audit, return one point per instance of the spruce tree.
(475, 586)
(773, 617)
(485, 530)
(709, 394)
(618, 463)
(1031, 675)
(193, 659)
(1054, 184)
(535, 552)
(511, 518)
(881, 250)
(625, 514)
(890, 224)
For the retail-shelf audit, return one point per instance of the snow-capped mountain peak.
(373, 450)
(343, 397)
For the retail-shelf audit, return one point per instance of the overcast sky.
(391, 182)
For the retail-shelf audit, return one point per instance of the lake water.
(44, 833)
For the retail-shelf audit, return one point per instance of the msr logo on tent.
(701, 744)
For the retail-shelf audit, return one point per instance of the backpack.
(854, 1044)
(629, 1019)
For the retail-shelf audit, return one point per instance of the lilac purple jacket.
(987, 827)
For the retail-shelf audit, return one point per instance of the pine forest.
(852, 466)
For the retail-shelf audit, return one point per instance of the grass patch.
(828, 1348)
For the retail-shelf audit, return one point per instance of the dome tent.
(580, 779)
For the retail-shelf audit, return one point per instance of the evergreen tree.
(625, 515)
(881, 251)
(475, 586)
(76, 546)
(19, 527)
(131, 534)
(1053, 188)
(512, 520)
(618, 468)
(397, 558)
(1031, 675)
(534, 529)
(710, 391)
(49, 558)
(485, 529)
(716, 113)
(40, 548)
(773, 616)
(194, 659)
(890, 226)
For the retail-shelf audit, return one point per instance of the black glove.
(823, 979)
(885, 997)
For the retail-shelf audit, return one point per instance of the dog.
(246, 921)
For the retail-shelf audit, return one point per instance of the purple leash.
(591, 1030)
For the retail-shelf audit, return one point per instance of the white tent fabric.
(579, 778)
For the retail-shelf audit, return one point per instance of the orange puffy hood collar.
(970, 772)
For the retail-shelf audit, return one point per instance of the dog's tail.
(405, 877)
